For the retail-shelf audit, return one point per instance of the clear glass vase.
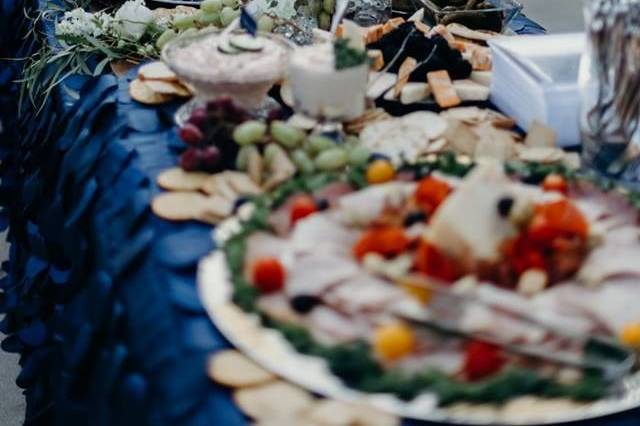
(609, 79)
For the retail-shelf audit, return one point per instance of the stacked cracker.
(157, 84)
(201, 196)
(270, 401)
(470, 131)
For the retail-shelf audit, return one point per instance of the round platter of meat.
(445, 292)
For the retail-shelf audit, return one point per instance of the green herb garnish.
(347, 56)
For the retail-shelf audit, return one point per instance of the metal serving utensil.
(616, 365)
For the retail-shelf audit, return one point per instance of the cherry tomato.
(630, 335)
(563, 217)
(380, 171)
(387, 241)
(482, 359)
(555, 182)
(430, 193)
(392, 342)
(431, 261)
(268, 275)
(302, 206)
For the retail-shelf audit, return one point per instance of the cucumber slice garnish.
(227, 48)
(247, 43)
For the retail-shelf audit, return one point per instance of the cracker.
(404, 72)
(216, 206)
(337, 413)
(286, 94)
(461, 138)
(167, 88)
(422, 27)
(541, 135)
(177, 206)
(176, 179)
(156, 71)
(121, 67)
(142, 93)
(302, 122)
(442, 89)
(275, 400)
(541, 154)
(460, 30)
(376, 58)
(392, 25)
(241, 183)
(233, 369)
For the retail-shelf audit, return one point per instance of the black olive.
(378, 156)
(414, 217)
(304, 304)
(504, 206)
(322, 204)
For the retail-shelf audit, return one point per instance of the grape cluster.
(209, 135)
(216, 13)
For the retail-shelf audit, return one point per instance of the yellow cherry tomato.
(420, 292)
(392, 342)
(630, 335)
(380, 171)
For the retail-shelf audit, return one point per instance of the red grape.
(198, 117)
(191, 134)
(190, 160)
(210, 158)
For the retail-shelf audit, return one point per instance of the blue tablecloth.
(100, 294)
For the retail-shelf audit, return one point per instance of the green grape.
(249, 132)
(316, 7)
(189, 32)
(331, 159)
(183, 22)
(242, 160)
(165, 38)
(352, 140)
(359, 155)
(317, 144)
(324, 21)
(227, 15)
(302, 161)
(286, 135)
(266, 23)
(209, 18)
(270, 152)
(329, 6)
(211, 6)
(230, 3)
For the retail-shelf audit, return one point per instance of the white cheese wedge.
(482, 77)
(467, 225)
(414, 92)
(469, 90)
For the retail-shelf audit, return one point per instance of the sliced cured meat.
(363, 207)
(316, 273)
(329, 326)
(262, 244)
(363, 293)
(610, 260)
(612, 305)
(319, 232)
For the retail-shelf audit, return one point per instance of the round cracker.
(156, 71)
(142, 93)
(286, 94)
(233, 369)
(167, 88)
(274, 400)
(178, 206)
(539, 154)
(330, 412)
(176, 179)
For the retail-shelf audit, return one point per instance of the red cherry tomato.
(386, 241)
(482, 359)
(555, 182)
(563, 217)
(302, 206)
(431, 261)
(268, 275)
(430, 193)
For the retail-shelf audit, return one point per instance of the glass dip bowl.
(234, 65)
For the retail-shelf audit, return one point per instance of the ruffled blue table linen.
(100, 295)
